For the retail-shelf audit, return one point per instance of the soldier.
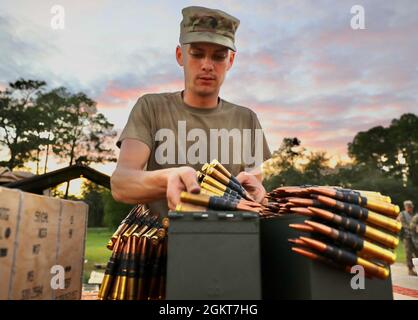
(406, 216)
(169, 136)
(413, 228)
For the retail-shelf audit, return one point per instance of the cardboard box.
(45, 245)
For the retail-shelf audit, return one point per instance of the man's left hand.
(252, 185)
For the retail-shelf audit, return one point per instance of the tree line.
(37, 123)
(384, 159)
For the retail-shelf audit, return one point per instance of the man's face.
(409, 208)
(205, 66)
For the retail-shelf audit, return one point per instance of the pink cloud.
(115, 97)
(267, 60)
(315, 140)
(277, 109)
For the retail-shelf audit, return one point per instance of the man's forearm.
(138, 186)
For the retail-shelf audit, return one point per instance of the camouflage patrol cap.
(202, 24)
(408, 203)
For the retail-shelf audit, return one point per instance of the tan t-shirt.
(179, 135)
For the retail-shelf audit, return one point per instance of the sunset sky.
(299, 64)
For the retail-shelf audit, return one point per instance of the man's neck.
(204, 102)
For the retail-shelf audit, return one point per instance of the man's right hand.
(178, 180)
(131, 184)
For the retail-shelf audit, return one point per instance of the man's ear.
(179, 56)
(230, 60)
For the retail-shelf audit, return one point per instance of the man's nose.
(207, 64)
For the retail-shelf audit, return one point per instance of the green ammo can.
(213, 255)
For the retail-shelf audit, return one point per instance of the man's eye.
(196, 55)
(219, 57)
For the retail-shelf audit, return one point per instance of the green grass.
(400, 253)
(96, 251)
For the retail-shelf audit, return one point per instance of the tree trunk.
(11, 162)
(71, 163)
(37, 161)
(412, 167)
(66, 190)
(46, 158)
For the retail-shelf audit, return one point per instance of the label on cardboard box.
(43, 232)
(71, 250)
(36, 247)
(9, 208)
